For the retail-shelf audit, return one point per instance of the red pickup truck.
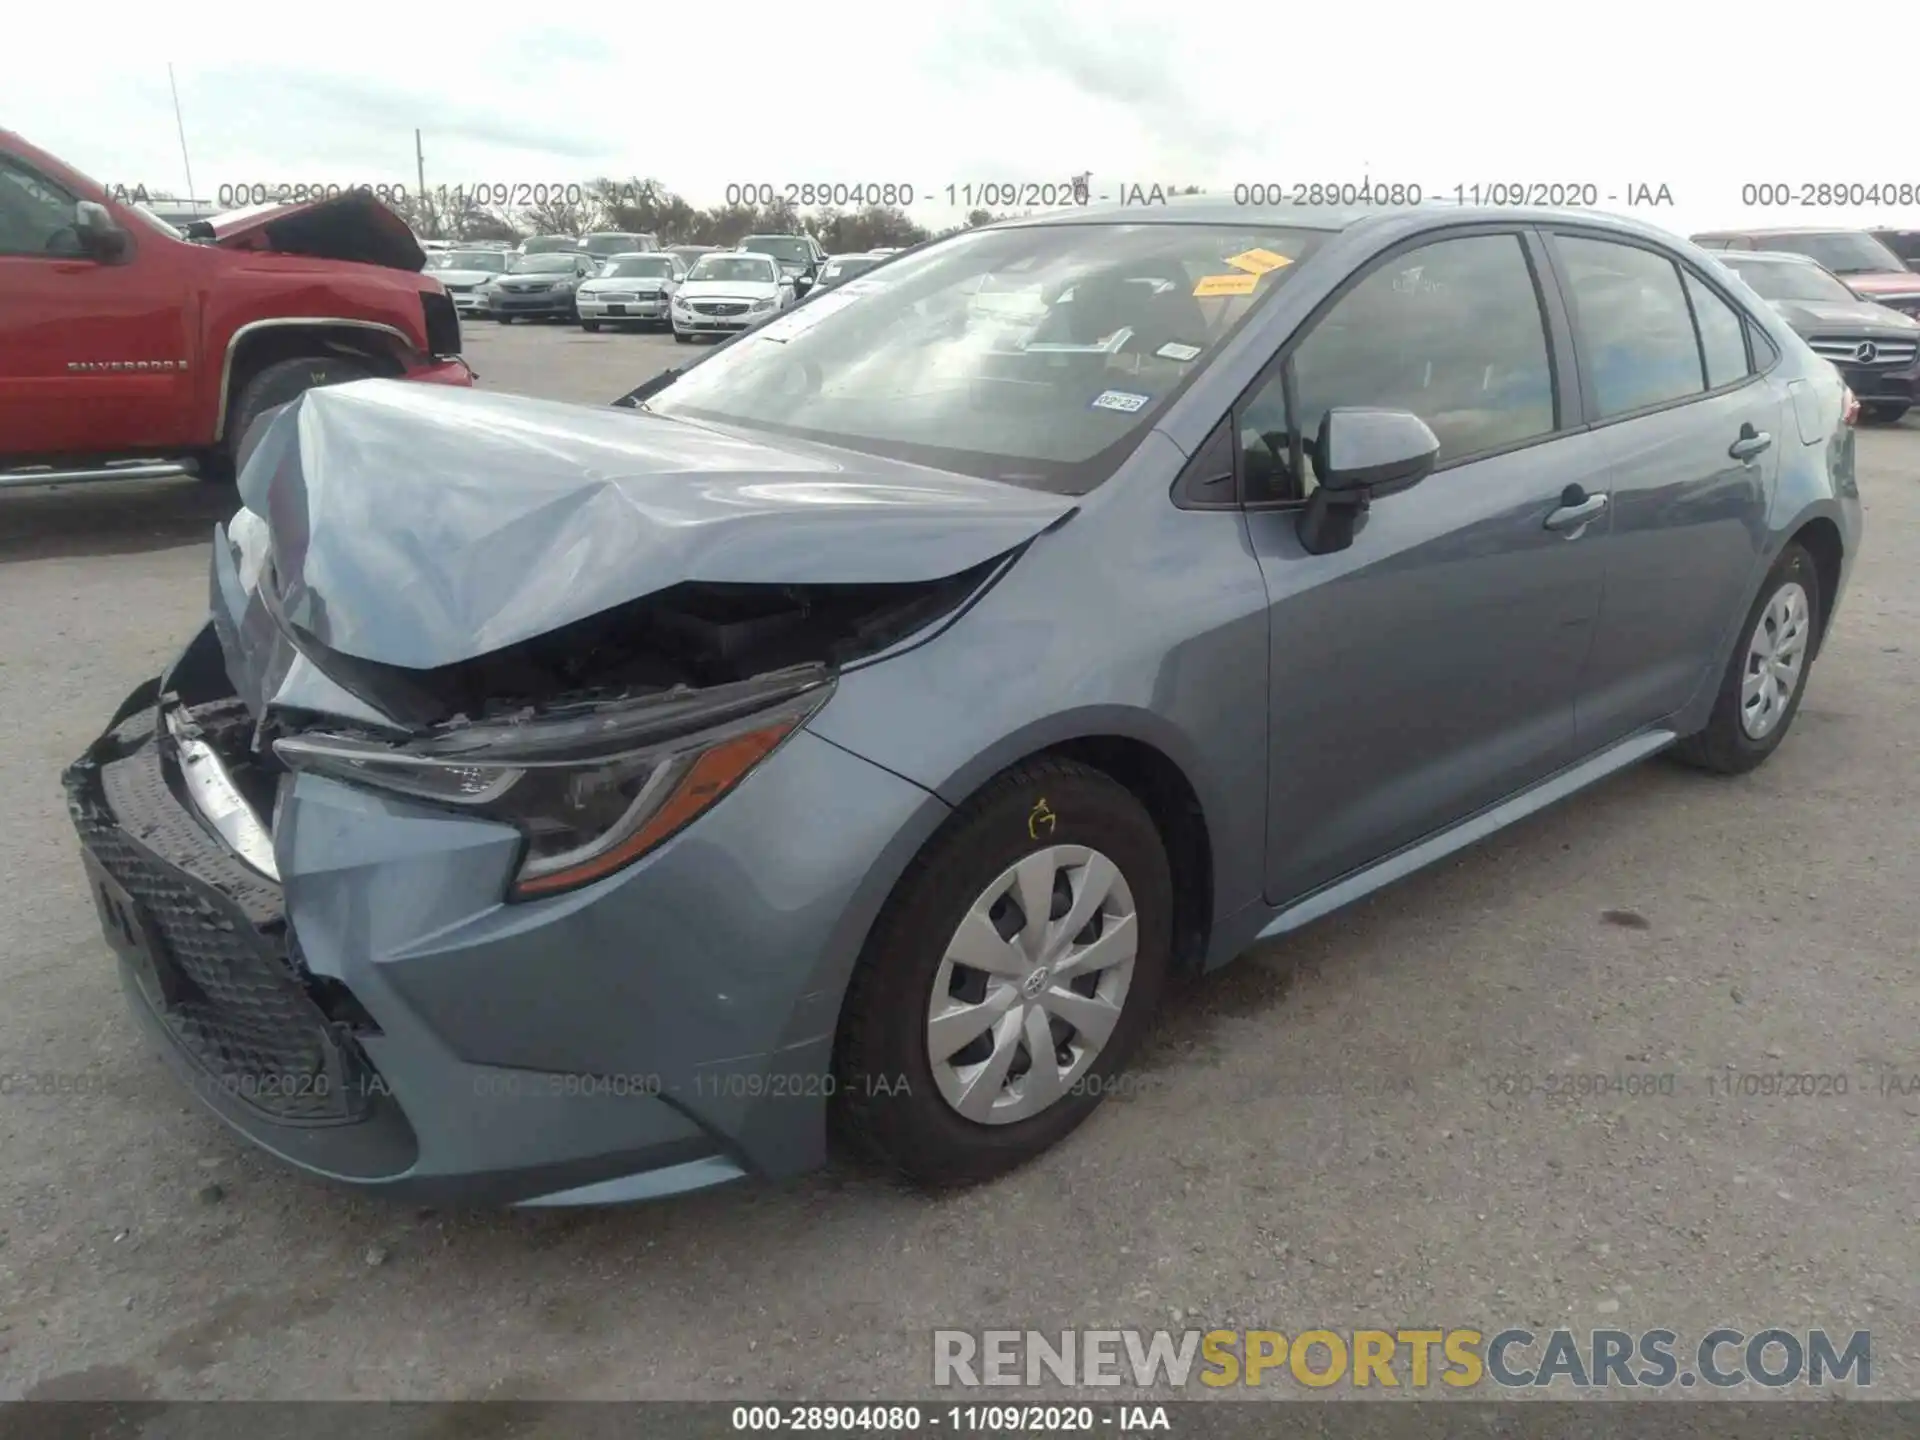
(129, 350)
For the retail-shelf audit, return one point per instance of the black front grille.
(720, 307)
(443, 323)
(223, 983)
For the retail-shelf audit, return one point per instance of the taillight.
(1849, 406)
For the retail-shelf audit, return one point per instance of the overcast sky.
(933, 94)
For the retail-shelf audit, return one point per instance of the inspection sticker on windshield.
(1257, 262)
(1226, 285)
(1174, 350)
(1124, 401)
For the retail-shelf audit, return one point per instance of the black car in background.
(1904, 243)
(540, 286)
(690, 253)
(1876, 349)
(799, 256)
(1869, 268)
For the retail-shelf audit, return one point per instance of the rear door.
(1430, 669)
(1672, 374)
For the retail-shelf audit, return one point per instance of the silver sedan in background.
(630, 289)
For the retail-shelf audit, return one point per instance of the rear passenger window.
(1451, 331)
(1723, 334)
(1634, 323)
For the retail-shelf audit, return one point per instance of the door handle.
(1577, 510)
(1751, 443)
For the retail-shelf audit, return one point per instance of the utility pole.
(420, 167)
(181, 126)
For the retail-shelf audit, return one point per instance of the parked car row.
(693, 290)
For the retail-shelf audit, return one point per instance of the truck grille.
(443, 323)
(1879, 354)
(230, 997)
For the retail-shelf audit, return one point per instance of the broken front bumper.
(378, 1016)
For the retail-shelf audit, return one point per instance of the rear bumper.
(379, 1019)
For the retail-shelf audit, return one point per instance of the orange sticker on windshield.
(1226, 285)
(1257, 262)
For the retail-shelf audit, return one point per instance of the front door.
(1430, 669)
(93, 356)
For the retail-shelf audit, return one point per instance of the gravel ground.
(1319, 1138)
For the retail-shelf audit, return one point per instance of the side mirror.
(1361, 453)
(100, 237)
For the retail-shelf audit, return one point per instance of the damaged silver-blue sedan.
(854, 730)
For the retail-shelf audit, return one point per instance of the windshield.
(548, 244)
(659, 266)
(754, 269)
(543, 264)
(848, 266)
(1035, 355)
(491, 260)
(790, 249)
(1786, 280)
(1845, 252)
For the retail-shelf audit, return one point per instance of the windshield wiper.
(640, 394)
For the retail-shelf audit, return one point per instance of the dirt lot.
(1324, 1140)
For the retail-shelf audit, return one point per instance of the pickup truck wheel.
(276, 385)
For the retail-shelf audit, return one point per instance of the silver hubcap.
(1775, 657)
(1032, 984)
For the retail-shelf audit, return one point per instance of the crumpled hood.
(421, 525)
(352, 226)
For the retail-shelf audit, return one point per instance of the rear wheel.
(1767, 673)
(1009, 979)
(273, 385)
(1883, 413)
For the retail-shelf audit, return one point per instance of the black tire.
(276, 384)
(504, 319)
(1881, 412)
(680, 339)
(592, 327)
(887, 1105)
(1724, 746)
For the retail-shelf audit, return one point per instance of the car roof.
(637, 255)
(1783, 257)
(1407, 219)
(1783, 230)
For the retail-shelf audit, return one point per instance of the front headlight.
(592, 789)
(763, 305)
(679, 303)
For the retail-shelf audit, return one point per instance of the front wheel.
(1009, 978)
(592, 327)
(273, 385)
(504, 319)
(1767, 672)
(1882, 413)
(681, 339)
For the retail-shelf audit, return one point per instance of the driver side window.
(1451, 331)
(36, 216)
